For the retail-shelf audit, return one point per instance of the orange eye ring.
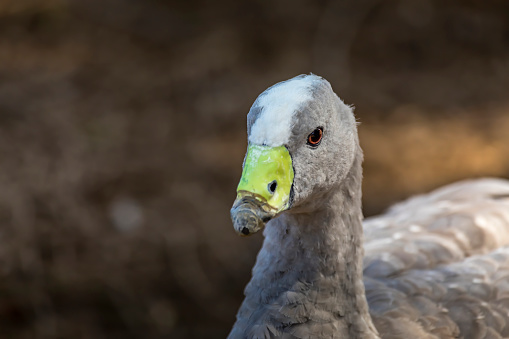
(315, 137)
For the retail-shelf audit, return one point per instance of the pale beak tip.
(245, 218)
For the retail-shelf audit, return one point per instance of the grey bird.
(434, 266)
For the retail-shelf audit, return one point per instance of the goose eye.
(315, 137)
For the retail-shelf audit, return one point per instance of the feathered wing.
(445, 226)
(469, 299)
(437, 265)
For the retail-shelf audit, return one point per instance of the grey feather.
(434, 266)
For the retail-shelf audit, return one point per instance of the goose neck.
(318, 254)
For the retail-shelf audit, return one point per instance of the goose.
(434, 266)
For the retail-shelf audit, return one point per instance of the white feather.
(279, 104)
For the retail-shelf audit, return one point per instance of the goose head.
(302, 140)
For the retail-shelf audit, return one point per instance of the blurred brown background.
(122, 133)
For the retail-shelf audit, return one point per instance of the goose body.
(434, 266)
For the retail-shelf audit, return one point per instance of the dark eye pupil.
(315, 136)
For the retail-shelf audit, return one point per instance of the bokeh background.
(122, 133)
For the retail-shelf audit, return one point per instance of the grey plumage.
(434, 266)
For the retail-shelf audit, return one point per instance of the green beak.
(264, 189)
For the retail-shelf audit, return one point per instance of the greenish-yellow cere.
(263, 166)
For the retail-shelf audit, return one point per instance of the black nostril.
(245, 231)
(272, 187)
